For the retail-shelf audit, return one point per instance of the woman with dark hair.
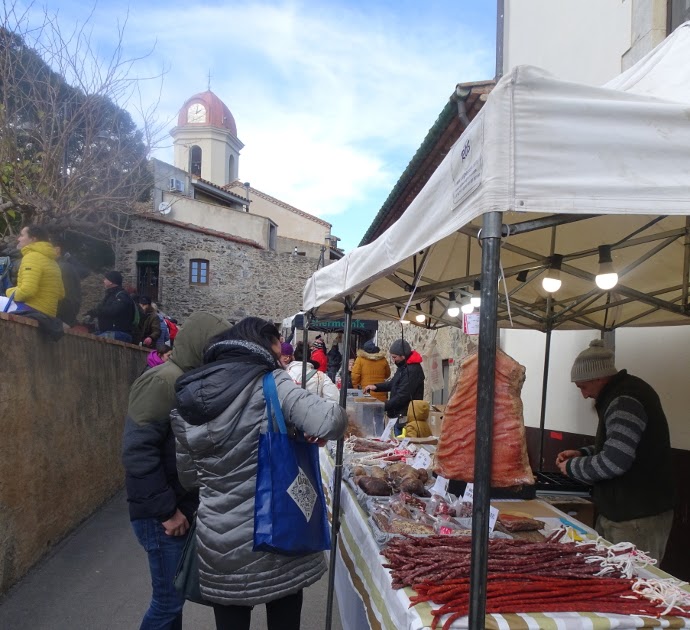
(221, 411)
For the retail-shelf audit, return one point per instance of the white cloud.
(323, 94)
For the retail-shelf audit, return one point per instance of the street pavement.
(97, 578)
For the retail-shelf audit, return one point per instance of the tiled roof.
(278, 202)
(200, 230)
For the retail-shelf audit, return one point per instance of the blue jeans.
(165, 609)
(117, 336)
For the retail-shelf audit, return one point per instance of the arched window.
(195, 161)
(231, 169)
(198, 271)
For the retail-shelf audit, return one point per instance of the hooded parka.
(371, 368)
(221, 412)
(148, 445)
(39, 283)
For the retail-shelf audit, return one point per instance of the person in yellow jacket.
(39, 283)
(417, 420)
(370, 367)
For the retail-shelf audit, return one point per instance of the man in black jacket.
(629, 463)
(406, 385)
(160, 509)
(116, 312)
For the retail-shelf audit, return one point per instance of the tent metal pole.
(544, 386)
(305, 348)
(491, 251)
(338, 475)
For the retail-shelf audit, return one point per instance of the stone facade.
(451, 342)
(243, 279)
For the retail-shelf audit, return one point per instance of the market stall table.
(366, 599)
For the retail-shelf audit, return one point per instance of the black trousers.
(281, 614)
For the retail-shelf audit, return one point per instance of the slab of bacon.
(455, 452)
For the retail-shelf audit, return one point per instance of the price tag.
(422, 459)
(405, 443)
(440, 487)
(386, 435)
(493, 517)
(445, 531)
(468, 497)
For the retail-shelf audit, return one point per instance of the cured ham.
(455, 452)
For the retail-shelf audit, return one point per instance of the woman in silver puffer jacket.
(221, 412)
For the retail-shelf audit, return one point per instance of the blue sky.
(331, 98)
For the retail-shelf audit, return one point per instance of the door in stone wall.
(148, 263)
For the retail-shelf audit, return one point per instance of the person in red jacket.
(318, 354)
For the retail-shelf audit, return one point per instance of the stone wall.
(451, 342)
(62, 406)
(243, 280)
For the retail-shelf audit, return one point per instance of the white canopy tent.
(549, 171)
(571, 167)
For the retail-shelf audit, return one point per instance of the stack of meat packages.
(455, 453)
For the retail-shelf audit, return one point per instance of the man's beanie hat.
(114, 276)
(401, 348)
(286, 349)
(592, 363)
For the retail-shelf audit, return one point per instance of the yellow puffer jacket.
(369, 369)
(417, 420)
(39, 284)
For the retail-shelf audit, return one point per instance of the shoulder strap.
(273, 409)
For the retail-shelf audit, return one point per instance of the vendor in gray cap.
(629, 464)
(406, 385)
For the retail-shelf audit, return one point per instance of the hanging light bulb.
(420, 317)
(453, 306)
(467, 306)
(476, 299)
(552, 280)
(607, 278)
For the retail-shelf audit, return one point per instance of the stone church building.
(212, 242)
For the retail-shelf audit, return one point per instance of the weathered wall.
(243, 280)
(62, 406)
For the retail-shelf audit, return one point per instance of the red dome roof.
(217, 112)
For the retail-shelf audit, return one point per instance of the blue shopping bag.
(290, 515)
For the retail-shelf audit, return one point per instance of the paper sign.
(493, 516)
(468, 497)
(470, 323)
(405, 443)
(467, 161)
(440, 487)
(422, 459)
(386, 435)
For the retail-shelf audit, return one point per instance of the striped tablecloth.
(384, 608)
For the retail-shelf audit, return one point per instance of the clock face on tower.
(196, 113)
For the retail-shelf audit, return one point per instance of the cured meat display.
(455, 452)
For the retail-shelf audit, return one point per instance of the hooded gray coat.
(221, 412)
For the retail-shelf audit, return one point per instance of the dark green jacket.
(148, 449)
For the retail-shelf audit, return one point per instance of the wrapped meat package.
(455, 453)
